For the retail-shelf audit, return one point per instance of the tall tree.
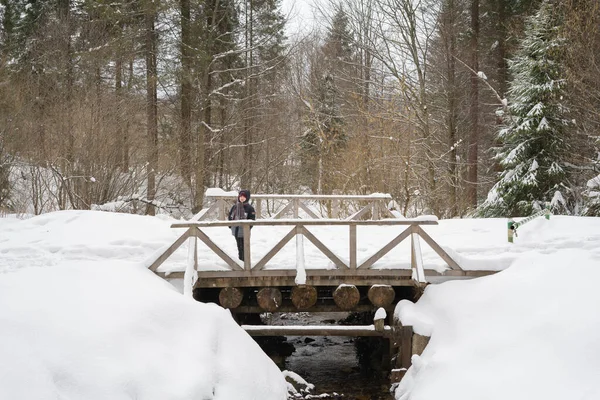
(473, 155)
(326, 132)
(536, 141)
(150, 14)
(186, 54)
(262, 30)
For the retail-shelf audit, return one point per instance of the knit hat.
(246, 194)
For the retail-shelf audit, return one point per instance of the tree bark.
(381, 296)
(151, 103)
(231, 297)
(472, 157)
(186, 92)
(449, 22)
(269, 299)
(304, 297)
(346, 297)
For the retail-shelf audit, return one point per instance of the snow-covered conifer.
(534, 143)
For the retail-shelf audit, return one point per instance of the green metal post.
(511, 230)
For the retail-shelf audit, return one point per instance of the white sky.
(300, 14)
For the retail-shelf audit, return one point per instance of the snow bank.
(477, 244)
(113, 330)
(528, 332)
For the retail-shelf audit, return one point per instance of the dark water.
(341, 367)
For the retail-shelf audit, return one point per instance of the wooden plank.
(167, 253)
(352, 247)
(320, 307)
(296, 204)
(275, 250)
(222, 210)
(418, 258)
(216, 249)
(438, 249)
(306, 222)
(247, 256)
(339, 263)
(317, 281)
(316, 330)
(386, 248)
(327, 273)
(367, 277)
(213, 207)
(196, 253)
(283, 211)
(258, 208)
(375, 214)
(359, 213)
(335, 208)
(406, 347)
(308, 210)
(368, 197)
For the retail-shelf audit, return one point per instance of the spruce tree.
(534, 144)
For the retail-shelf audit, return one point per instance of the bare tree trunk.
(502, 55)
(151, 104)
(186, 92)
(246, 173)
(450, 39)
(123, 158)
(473, 109)
(64, 14)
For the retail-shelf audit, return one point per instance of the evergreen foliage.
(535, 142)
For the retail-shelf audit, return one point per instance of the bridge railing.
(335, 206)
(300, 229)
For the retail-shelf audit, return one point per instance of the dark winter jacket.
(248, 213)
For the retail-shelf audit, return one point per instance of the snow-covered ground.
(529, 332)
(80, 316)
(477, 244)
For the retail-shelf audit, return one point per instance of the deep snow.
(81, 317)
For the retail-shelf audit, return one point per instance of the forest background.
(454, 107)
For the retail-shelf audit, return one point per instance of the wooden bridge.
(348, 276)
(344, 284)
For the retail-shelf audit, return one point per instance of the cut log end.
(346, 297)
(231, 297)
(269, 299)
(381, 295)
(304, 297)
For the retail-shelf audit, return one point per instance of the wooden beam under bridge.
(317, 330)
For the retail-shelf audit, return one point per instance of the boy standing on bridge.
(241, 210)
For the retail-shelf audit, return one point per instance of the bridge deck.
(320, 277)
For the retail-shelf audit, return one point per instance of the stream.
(339, 367)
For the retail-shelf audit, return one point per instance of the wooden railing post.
(375, 214)
(192, 266)
(258, 209)
(247, 263)
(222, 210)
(352, 254)
(335, 209)
(406, 347)
(296, 207)
(300, 252)
(416, 257)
